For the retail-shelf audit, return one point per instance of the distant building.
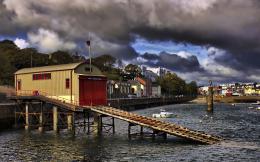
(156, 90)
(135, 88)
(146, 86)
(150, 75)
(118, 89)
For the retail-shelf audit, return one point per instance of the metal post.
(55, 119)
(26, 116)
(113, 124)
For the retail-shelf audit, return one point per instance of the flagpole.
(89, 52)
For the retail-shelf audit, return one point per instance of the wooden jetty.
(70, 109)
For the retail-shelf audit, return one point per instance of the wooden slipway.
(154, 124)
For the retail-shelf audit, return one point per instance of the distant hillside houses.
(139, 87)
(153, 73)
(145, 86)
(233, 89)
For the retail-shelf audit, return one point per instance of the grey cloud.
(231, 25)
(173, 62)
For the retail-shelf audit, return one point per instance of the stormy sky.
(200, 40)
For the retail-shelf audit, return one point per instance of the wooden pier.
(69, 111)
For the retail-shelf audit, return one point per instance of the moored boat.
(257, 103)
(163, 114)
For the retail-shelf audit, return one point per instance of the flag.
(88, 42)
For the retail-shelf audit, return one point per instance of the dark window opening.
(67, 83)
(43, 76)
(19, 84)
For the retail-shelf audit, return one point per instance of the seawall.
(130, 104)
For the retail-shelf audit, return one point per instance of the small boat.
(257, 103)
(258, 108)
(250, 107)
(163, 114)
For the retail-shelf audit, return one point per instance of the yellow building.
(73, 83)
(251, 91)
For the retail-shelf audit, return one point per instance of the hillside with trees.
(12, 59)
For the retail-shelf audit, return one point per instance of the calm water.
(239, 125)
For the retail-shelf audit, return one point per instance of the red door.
(92, 90)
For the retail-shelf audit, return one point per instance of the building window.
(42, 76)
(19, 85)
(67, 83)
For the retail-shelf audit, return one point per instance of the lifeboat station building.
(75, 83)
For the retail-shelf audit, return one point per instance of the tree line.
(13, 58)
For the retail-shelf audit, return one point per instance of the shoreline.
(225, 99)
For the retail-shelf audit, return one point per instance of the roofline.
(43, 71)
(79, 63)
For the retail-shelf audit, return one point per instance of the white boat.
(257, 103)
(163, 114)
(258, 108)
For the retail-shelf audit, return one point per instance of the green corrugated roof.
(49, 68)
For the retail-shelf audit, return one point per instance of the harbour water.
(238, 125)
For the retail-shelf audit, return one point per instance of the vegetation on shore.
(12, 59)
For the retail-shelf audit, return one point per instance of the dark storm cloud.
(173, 62)
(6, 23)
(231, 25)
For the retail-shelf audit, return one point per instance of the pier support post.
(27, 116)
(15, 118)
(113, 124)
(41, 120)
(210, 98)
(88, 122)
(141, 131)
(164, 135)
(70, 120)
(97, 123)
(55, 118)
(84, 120)
(129, 130)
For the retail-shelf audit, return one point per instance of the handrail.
(45, 94)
